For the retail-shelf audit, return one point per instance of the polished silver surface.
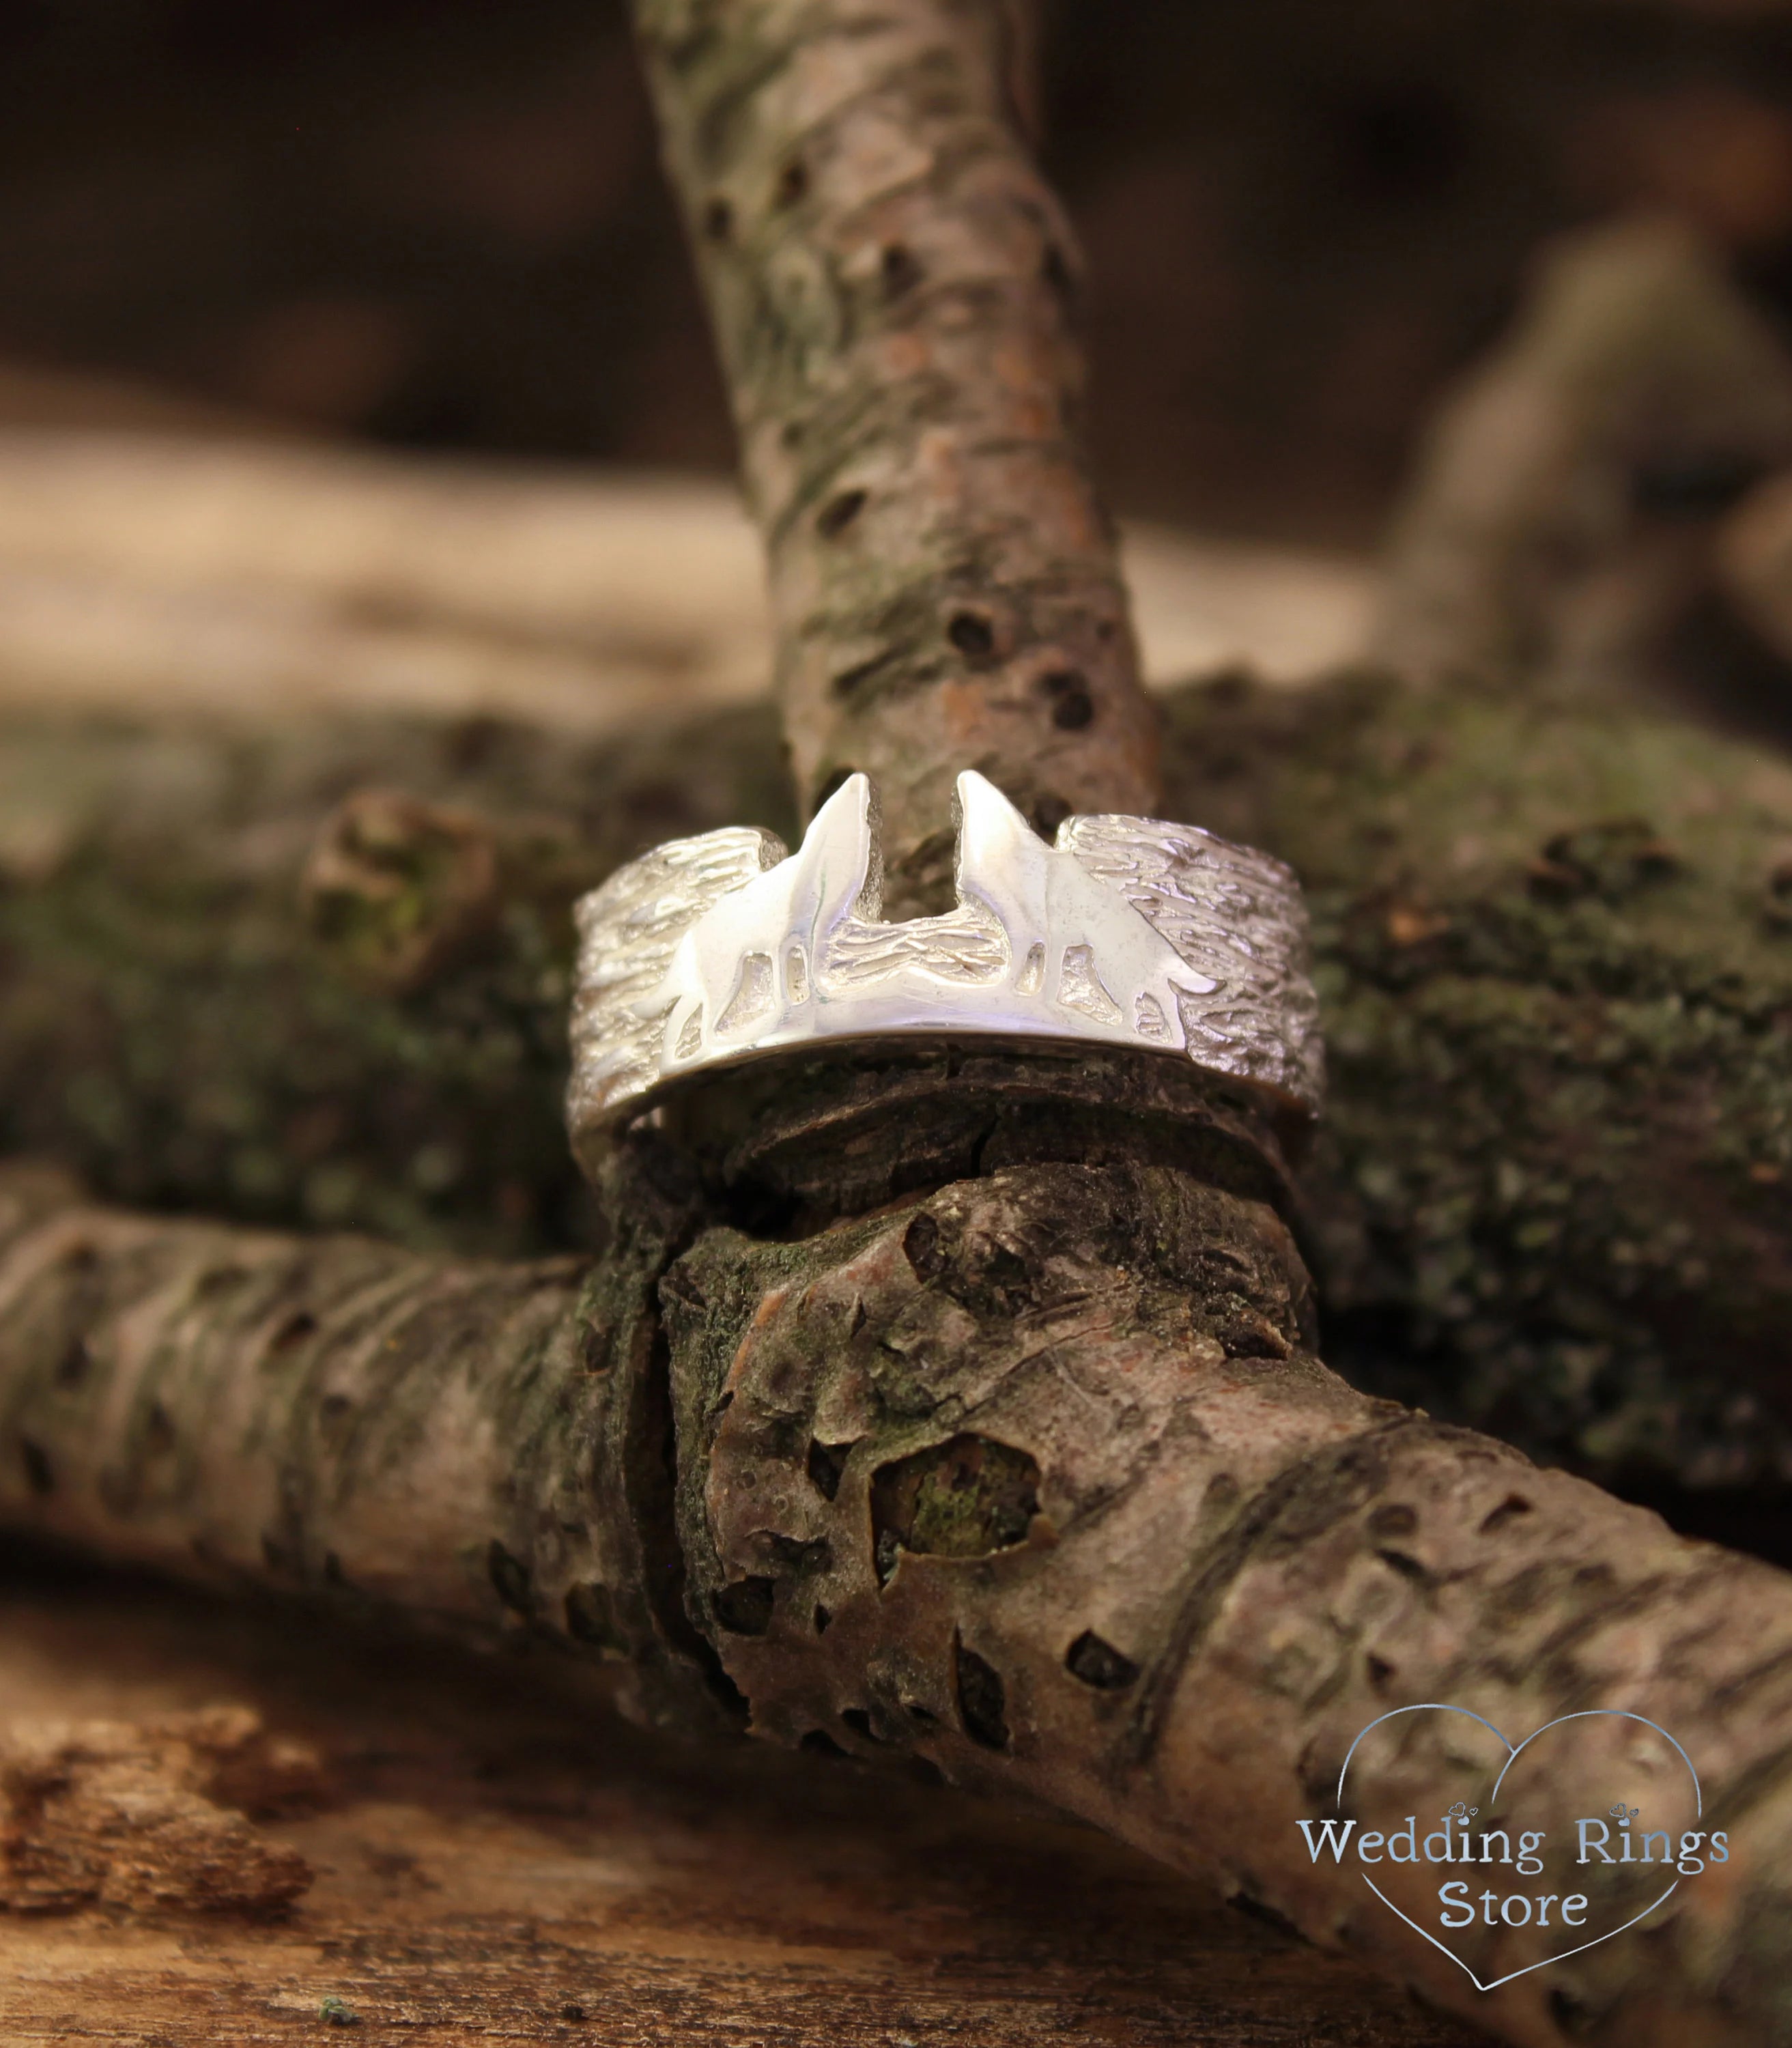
(1130, 932)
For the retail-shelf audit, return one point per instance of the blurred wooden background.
(439, 223)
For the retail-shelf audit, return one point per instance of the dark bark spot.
(470, 742)
(273, 1554)
(1694, 486)
(158, 1431)
(38, 1476)
(218, 1280)
(1509, 1510)
(718, 219)
(1243, 1329)
(792, 1554)
(826, 1463)
(973, 635)
(334, 1406)
(1072, 707)
(333, 1573)
(982, 1699)
(1395, 1520)
(1408, 1568)
(595, 1349)
(510, 1578)
(1054, 267)
(793, 184)
(839, 512)
(300, 1325)
(80, 1257)
(964, 1499)
(858, 1720)
(993, 1279)
(591, 1617)
(819, 1743)
(901, 269)
(1049, 813)
(571, 2012)
(1097, 1663)
(823, 1616)
(1611, 859)
(744, 1607)
(849, 680)
(1380, 1671)
(920, 1246)
(71, 1368)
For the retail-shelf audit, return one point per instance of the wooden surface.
(500, 1859)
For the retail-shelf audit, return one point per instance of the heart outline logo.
(1512, 1755)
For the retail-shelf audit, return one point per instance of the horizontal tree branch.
(1550, 1194)
(1034, 1480)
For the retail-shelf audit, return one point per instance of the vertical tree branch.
(893, 287)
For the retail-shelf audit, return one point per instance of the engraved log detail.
(628, 931)
(1126, 930)
(1225, 909)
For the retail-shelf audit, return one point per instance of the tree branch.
(1035, 1479)
(1562, 525)
(1548, 1195)
(892, 286)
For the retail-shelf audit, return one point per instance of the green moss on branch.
(1552, 1194)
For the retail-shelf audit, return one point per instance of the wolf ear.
(843, 843)
(993, 837)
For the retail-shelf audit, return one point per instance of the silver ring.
(725, 947)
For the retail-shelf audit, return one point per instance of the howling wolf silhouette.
(1037, 946)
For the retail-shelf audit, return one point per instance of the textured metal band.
(1127, 931)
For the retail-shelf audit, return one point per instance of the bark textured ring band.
(711, 951)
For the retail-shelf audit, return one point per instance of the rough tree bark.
(968, 1416)
(891, 285)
